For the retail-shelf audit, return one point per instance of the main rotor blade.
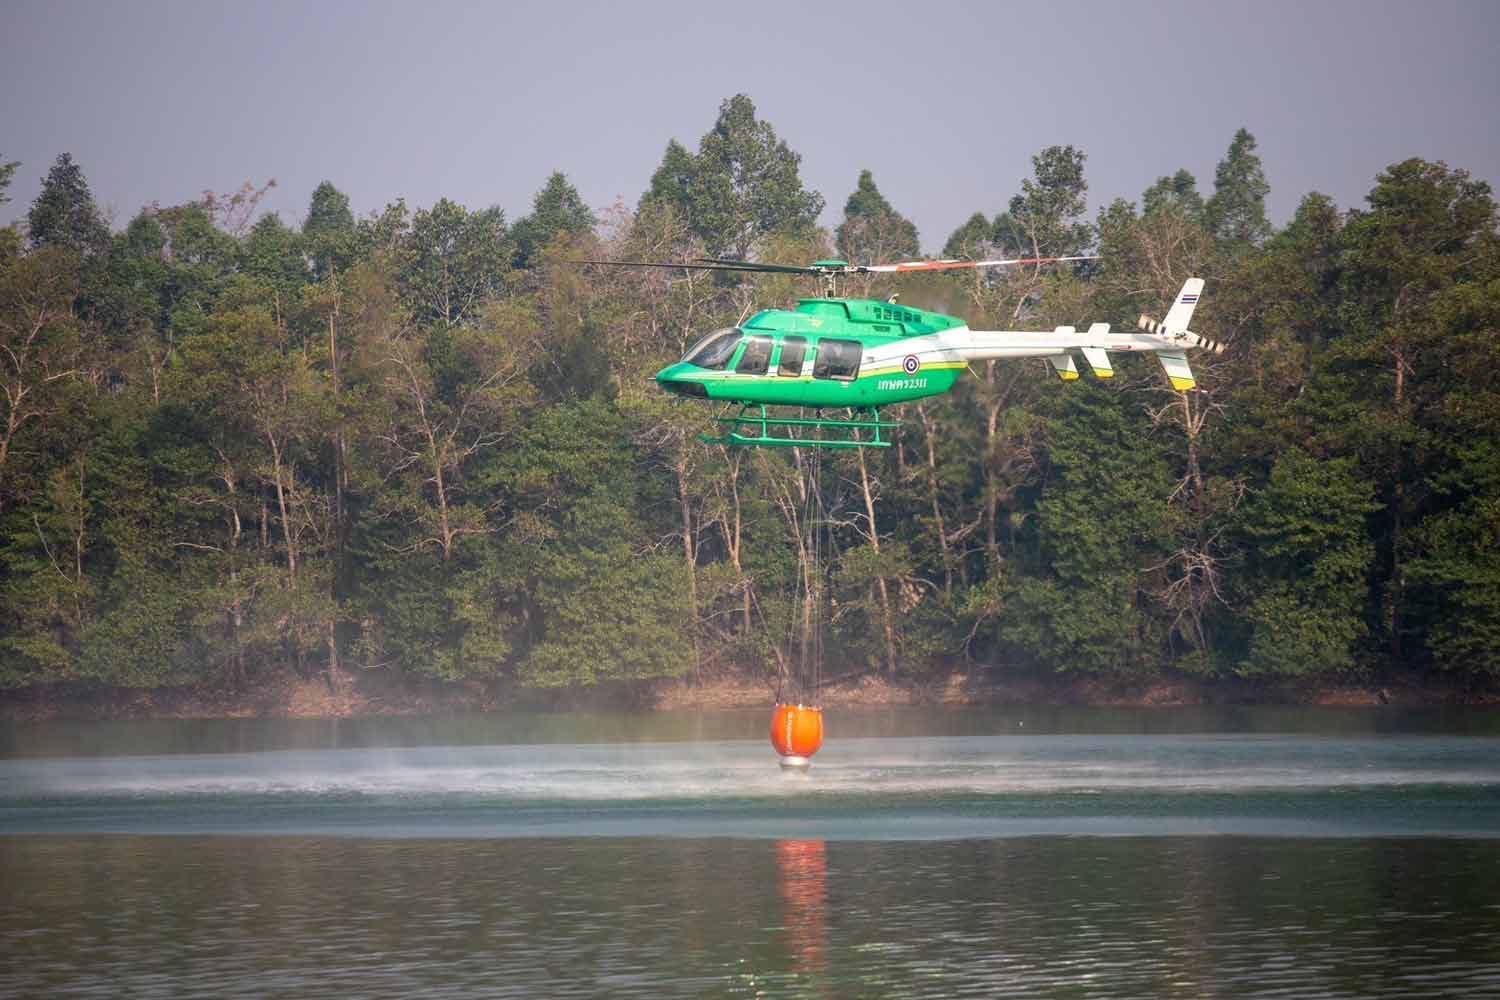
(750, 265)
(954, 265)
(705, 264)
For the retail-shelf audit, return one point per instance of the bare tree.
(39, 343)
(436, 428)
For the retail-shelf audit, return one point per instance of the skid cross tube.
(757, 425)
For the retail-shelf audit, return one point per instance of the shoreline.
(288, 696)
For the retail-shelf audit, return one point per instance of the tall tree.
(742, 186)
(449, 395)
(557, 208)
(329, 232)
(452, 261)
(1236, 214)
(1179, 192)
(672, 183)
(1309, 560)
(1045, 218)
(1428, 239)
(7, 171)
(273, 254)
(64, 213)
(39, 342)
(605, 600)
(873, 231)
(973, 239)
(1080, 600)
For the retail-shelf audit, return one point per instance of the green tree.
(329, 231)
(872, 231)
(1286, 303)
(266, 412)
(1080, 601)
(1179, 192)
(448, 397)
(608, 602)
(1428, 237)
(274, 255)
(1458, 572)
(452, 262)
(672, 183)
(41, 345)
(1309, 561)
(202, 260)
(1236, 214)
(1453, 573)
(557, 208)
(1044, 220)
(7, 171)
(64, 213)
(973, 239)
(742, 186)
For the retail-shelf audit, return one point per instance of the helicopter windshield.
(715, 350)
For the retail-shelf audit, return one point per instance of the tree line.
(425, 442)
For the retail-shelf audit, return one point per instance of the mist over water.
(995, 855)
(930, 787)
(623, 772)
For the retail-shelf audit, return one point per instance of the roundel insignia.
(911, 364)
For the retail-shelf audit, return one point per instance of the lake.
(1078, 853)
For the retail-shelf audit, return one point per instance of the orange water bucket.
(797, 732)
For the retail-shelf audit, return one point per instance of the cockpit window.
(715, 350)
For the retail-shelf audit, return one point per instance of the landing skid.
(752, 426)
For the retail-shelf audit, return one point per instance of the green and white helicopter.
(861, 355)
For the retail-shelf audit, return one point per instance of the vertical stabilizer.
(1182, 309)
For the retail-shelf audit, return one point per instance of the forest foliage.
(424, 442)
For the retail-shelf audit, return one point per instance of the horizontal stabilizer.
(1064, 366)
(1149, 325)
(1099, 361)
(1175, 364)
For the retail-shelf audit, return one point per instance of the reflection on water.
(1030, 917)
(803, 869)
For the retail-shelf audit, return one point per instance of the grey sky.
(946, 102)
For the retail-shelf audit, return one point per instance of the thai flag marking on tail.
(1189, 299)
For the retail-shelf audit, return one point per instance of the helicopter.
(862, 355)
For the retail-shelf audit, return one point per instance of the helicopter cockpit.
(714, 351)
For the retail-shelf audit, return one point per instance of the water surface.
(1035, 855)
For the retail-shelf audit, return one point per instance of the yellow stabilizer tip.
(1104, 374)
(1181, 384)
(1067, 376)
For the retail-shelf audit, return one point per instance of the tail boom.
(1168, 340)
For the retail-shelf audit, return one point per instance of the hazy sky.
(946, 102)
